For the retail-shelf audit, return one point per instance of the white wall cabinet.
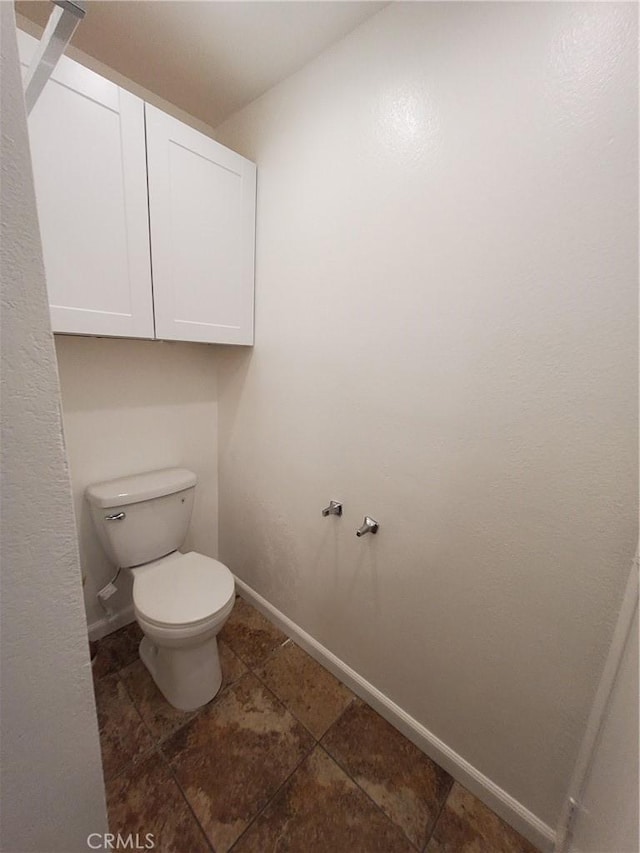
(202, 213)
(88, 153)
(100, 179)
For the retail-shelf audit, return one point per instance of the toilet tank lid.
(140, 487)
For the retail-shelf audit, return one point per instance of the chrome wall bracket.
(369, 525)
(334, 508)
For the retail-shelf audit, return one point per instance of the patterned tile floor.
(285, 758)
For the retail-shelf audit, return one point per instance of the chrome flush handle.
(118, 516)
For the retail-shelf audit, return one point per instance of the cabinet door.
(88, 151)
(202, 214)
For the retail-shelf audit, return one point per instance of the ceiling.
(208, 58)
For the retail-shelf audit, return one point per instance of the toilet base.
(189, 677)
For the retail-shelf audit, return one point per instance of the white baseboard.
(104, 626)
(504, 805)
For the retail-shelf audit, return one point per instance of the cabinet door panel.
(88, 151)
(202, 213)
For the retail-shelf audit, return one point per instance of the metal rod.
(62, 23)
(76, 8)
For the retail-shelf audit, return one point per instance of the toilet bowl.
(181, 600)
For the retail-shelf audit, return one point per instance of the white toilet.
(181, 601)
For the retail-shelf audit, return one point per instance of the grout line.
(157, 739)
(139, 757)
(185, 798)
(175, 777)
(160, 740)
(271, 654)
(285, 706)
(264, 660)
(367, 795)
(318, 740)
(283, 784)
(199, 711)
(134, 703)
(378, 806)
(278, 789)
(126, 768)
(290, 710)
(440, 810)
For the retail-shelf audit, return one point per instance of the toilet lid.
(182, 589)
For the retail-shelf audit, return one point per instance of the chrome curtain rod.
(62, 23)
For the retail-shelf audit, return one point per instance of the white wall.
(132, 406)
(51, 773)
(446, 339)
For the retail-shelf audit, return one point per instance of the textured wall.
(446, 339)
(132, 406)
(51, 773)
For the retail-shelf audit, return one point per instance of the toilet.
(181, 601)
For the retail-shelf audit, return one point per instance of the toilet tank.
(143, 517)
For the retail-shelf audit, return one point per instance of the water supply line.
(104, 594)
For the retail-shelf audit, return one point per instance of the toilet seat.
(182, 590)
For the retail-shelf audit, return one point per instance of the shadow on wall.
(106, 373)
(233, 365)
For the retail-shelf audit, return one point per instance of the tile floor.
(285, 758)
